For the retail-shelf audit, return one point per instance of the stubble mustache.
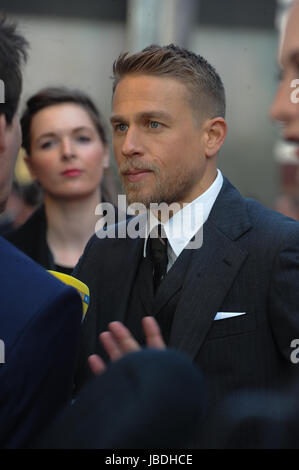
(130, 165)
(132, 189)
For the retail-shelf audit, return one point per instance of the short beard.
(166, 190)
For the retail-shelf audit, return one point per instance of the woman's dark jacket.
(31, 238)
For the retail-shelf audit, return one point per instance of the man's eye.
(154, 124)
(121, 127)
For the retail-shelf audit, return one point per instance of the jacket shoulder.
(272, 223)
(25, 287)
(25, 236)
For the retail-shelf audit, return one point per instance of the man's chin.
(140, 197)
(138, 200)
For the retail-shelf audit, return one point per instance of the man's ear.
(29, 165)
(216, 131)
(3, 126)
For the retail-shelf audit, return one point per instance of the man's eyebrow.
(154, 115)
(143, 115)
(116, 118)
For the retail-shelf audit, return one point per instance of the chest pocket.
(237, 325)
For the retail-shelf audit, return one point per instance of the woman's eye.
(46, 145)
(84, 138)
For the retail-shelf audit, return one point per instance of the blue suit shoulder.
(40, 321)
(26, 288)
(274, 226)
(246, 219)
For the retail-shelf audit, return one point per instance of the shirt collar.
(184, 224)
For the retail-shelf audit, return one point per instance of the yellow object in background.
(79, 285)
(22, 174)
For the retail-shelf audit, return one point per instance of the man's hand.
(118, 341)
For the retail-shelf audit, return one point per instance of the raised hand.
(118, 341)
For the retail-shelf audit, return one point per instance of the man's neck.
(171, 209)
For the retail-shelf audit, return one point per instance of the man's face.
(159, 147)
(284, 108)
(12, 139)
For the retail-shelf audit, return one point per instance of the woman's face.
(67, 155)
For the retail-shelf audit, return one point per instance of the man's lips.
(294, 141)
(72, 172)
(136, 175)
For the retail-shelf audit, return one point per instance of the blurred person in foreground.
(232, 304)
(40, 317)
(287, 205)
(285, 107)
(67, 153)
(148, 399)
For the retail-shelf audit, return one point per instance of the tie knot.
(158, 240)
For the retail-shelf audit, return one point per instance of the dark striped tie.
(158, 250)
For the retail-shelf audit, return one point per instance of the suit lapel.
(172, 282)
(127, 254)
(211, 272)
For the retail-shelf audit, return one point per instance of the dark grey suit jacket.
(249, 262)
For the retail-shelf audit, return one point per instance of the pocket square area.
(224, 315)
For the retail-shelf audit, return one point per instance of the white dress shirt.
(185, 223)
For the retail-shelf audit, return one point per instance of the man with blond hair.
(231, 301)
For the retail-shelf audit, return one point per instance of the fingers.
(110, 345)
(96, 364)
(152, 333)
(118, 341)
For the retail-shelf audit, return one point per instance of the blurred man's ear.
(106, 157)
(3, 126)
(29, 165)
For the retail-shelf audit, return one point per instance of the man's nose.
(283, 108)
(132, 145)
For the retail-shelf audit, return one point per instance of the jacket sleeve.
(37, 377)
